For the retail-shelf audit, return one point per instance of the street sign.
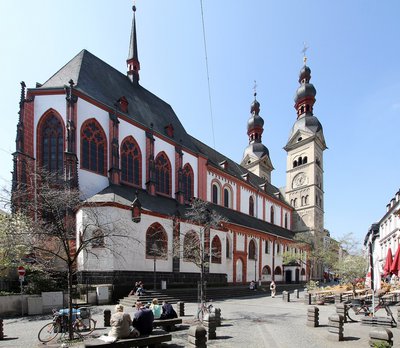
(21, 278)
(21, 271)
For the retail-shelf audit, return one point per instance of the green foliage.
(381, 345)
(312, 285)
(40, 280)
(351, 268)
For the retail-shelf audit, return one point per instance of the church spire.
(305, 94)
(133, 59)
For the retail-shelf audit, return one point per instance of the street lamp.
(154, 247)
(255, 268)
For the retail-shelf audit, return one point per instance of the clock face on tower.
(299, 180)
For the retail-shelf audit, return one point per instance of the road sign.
(21, 278)
(21, 271)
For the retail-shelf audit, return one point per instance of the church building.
(126, 150)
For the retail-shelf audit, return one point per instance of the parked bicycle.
(204, 309)
(82, 325)
(363, 306)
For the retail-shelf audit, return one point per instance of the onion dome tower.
(256, 155)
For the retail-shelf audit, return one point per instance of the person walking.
(272, 287)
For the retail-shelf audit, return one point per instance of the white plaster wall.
(44, 103)
(186, 266)
(229, 260)
(161, 145)
(219, 267)
(240, 242)
(91, 183)
(244, 200)
(126, 129)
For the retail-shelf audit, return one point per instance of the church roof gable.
(105, 84)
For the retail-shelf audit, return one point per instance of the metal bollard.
(1, 330)
(107, 317)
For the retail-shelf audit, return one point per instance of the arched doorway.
(239, 271)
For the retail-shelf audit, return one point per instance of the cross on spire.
(304, 50)
(255, 88)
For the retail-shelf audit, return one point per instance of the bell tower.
(304, 167)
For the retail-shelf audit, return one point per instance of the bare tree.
(195, 246)
(50, 232)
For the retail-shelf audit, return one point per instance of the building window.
(305, 160)
(191, 247)
(251, 206)
(215, 192)
(266, 271)
(97, 240)
(93, 147)
(252, 250)
(156, 242)
(278, 248)
(163, 174)
(227, 248)
(278, 271)
(294, 164)
(273, 215)
(131, 162)
(51, 136)
(266, 247)
(216, 250)
(187, 182)
(286, 220)
(226, 198)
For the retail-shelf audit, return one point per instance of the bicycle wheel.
(83, 329)
(49, 332)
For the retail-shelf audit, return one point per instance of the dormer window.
(224, 164)
(169, 129)
(245, 176)
(123, 104)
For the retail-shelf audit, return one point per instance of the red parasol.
(388, 263)
(395, 268)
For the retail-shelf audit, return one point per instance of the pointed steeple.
(133, 59)
(305, 94)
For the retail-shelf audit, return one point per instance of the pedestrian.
(272, 287)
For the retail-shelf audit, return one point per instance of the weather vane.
(304, 50)
(255, 88)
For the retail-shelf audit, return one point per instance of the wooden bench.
(154, 340)
(167, 324)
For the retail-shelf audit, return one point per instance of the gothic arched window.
(251, 206)
(156, 242)
(187, 182)
(278, 270)
(51, 136)
(93, 147)
(252, 250)
(163, 174)
(131, 162)
(216, 250)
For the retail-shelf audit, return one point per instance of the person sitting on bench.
(121, 324)
(168, 311)
(143, 319)
(156, 308)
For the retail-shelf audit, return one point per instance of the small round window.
(300, 139)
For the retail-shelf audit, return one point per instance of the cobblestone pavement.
(247, 322)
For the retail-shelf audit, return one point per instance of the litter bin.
(163, 285)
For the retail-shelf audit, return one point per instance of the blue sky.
(354, 56)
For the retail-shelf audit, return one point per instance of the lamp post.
(154, 247)
(255, 268)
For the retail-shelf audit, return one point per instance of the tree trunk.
(70, 324)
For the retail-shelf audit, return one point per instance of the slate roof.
(168, 206)
(234, 169)
(103, 83)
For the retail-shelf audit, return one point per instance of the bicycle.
(82, 325)
(204, 310)
(361, 306)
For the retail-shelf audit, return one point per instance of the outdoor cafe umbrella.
(388, 263)
(395, 268)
